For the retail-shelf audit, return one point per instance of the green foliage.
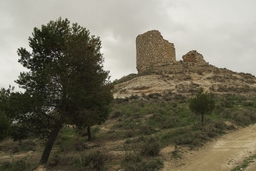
(65, 82)
(4, 125)
(150, 148)
(93, 161)
(4, 120)
(125, 78)
(66, 74)
(134, 162)
(19, 165)
(245, 163)
(202, 104)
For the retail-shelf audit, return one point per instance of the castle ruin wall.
(152, 50)
(193, 56)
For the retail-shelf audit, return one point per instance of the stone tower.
(153, 50)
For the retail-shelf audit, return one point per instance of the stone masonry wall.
(153, 50)
(193, 56)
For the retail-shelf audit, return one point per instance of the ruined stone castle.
(161, 76)
(155, 54)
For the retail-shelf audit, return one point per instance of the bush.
(248, 104)
(220, 125)
(227, 113)
(193, 139)
(202, 104)
(150, 148)
(134, 162)
(15, 148)
(19, 165)
(27, 145)
(176, 153)
(131, 157)
(252, 116)
(152, 165)
(4, 126)
(242, 119)
(94, 161)
(129, 133)
(147, 130)
(115, 114)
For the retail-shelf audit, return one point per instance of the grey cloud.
(223, 32)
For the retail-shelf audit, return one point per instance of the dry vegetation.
(138, 129)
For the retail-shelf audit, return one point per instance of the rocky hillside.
(185, 82)
(160, 75)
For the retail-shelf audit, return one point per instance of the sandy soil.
(222, 154)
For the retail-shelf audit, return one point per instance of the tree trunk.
(202, 119)
(89, 133)
(49, 144)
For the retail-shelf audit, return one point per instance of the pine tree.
(202, 104)
(64, 83)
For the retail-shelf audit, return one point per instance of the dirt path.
(219, 155)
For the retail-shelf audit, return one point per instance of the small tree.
(202, 104)
(65, 82)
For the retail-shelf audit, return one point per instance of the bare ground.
(222, 154)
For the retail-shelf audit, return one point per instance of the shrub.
(27, 145)
(15, 148)
(125, 78)
(220, 125)
(151, 165)
(131, 161)
(176, 153)
(131, 157)
(80, 146)
(4, 126)
(147, 130)
(129, 133)
(227, 103)
(227, 113)
(19, 165)
(248, 104)
(116, 114)
(150, 148)
(191, 139)
(252, 116)
(134, 162)
(55, 160)
(202, 104)
(241, 119)
(94, 161)
(210, 131)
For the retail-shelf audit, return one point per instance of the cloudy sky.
(223, 31)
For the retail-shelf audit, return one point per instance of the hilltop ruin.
(160, 75)
(153, 50)
(154, 54)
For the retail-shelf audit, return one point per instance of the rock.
(30, 152)
(40, 168)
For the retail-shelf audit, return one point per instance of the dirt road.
(222, 154)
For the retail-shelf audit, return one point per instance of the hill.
(149, 134)
(160, 73)
(213, 79)
(150, 126)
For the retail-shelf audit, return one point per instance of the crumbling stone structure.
(157, 55)
(193, 56)
(152, 50)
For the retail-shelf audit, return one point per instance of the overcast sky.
(223, 31)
